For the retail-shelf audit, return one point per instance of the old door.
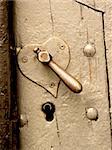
(73, 33)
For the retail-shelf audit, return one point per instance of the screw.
(62, 47)
(52, 84)
(89, 50)
(24, 59)
(92, 113)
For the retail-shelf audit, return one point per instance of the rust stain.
(94, 3)
(81, 13)
(87, 35)
(90, 69)
(95, 61)
(52, 19)
(80, 73)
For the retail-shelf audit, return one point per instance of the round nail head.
(62, 47)
(52, 84)
(24, 59)
(89, 50)
(92, 113)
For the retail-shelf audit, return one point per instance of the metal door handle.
(72, 83)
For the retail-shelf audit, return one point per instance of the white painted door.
(73, 33)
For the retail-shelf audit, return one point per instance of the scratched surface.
(8, 108)
(106, 7)
(4, 79)
(77, 25)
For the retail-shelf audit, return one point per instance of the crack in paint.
(95, 9)
(107, 72)
(58, 132)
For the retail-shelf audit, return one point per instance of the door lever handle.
(72, 83)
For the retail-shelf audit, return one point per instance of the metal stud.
(23, 120)
(89, 50)
(92, 113)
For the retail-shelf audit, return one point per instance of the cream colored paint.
(76, 24)
(59, 51)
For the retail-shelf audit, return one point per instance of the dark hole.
(48, 109)
(49, 117)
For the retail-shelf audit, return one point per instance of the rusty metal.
(72, 83)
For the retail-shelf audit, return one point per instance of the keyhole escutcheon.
(48, 108)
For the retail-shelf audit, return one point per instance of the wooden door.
(75, 30)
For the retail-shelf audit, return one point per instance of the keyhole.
(49, 109)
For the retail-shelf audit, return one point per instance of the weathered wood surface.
(78, 25)
(4, 78)
(8, 115)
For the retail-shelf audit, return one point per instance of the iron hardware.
(72, 83)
